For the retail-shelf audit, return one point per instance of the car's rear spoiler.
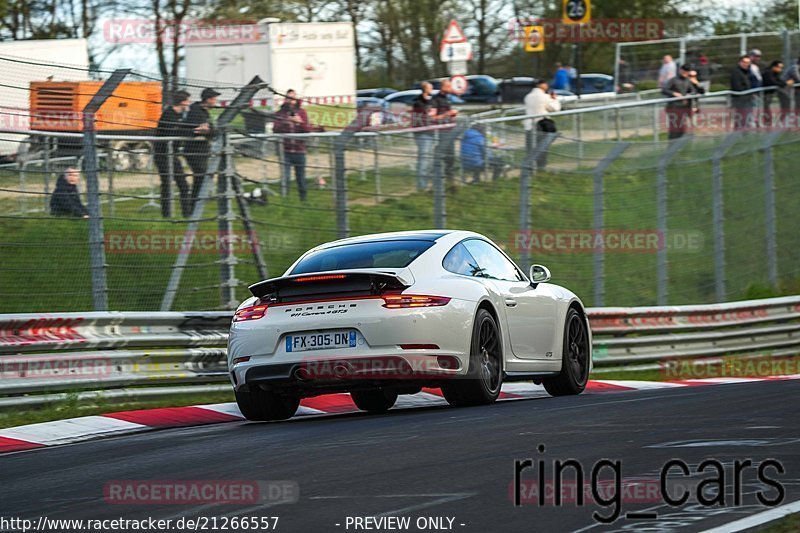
(331, 284)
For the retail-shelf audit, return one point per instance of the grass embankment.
(45, 260)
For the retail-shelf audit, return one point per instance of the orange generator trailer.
(133, 109)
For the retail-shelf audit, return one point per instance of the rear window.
(379, 254)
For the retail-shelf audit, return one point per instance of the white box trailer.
(22, 62)
(315, 59)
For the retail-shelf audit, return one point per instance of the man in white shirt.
(538, 102)
(667, 72)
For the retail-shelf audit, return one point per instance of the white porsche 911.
(387, 314)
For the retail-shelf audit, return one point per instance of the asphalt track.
(437, 462)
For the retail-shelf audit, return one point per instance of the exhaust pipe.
(341, 370)
(302, 374)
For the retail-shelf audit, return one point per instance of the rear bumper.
(391, 344)
(332, 374)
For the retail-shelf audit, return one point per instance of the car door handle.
(510, 302)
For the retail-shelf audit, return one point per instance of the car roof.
(417, 235)
(400, 94)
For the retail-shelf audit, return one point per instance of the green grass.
(44, 261)
(788, 524)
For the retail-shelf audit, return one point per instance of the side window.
(460, 261)
(493, 264)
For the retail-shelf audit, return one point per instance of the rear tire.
(484, 379)
(574, 358)
(260, 405)
(374, 401)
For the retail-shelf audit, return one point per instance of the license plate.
(321, 341)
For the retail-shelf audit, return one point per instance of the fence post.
(618, 123)
(445, 148)
(656, 123)
(439, 202)
(527, 171)
(376, 169)
(97, 254)
(672, 150)
(340, 186)
(787, 48)
(718, 206)
(599, 255)
(284, 169)
(47, 171)
(225, 216)
(241, 100)
(769, 207)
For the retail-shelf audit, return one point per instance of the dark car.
(481, 89)
(513, 90)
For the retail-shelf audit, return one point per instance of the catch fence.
(622, 215)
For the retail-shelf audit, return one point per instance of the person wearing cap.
(171, 125)
(196, 151)
(679, 112)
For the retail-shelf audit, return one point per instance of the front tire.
(574, 359)
(374, 401)
(482, 384)
(260, 405)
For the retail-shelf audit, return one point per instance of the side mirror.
(539, 274)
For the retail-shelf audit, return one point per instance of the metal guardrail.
(44, 355)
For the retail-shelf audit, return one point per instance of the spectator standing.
(679, 112)
(778, 86)
(421, 116)
(625, 82)
(756, 79)
(171, 125)
(793, 74)
(572, 74)
(66, 201)
(704, 72)
(742, 104)
(561, 78)
(292, 118)
(540, 102)
(667, 71)
(198, 121)
(445, 114)
(474, 154)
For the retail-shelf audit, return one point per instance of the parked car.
(380, 92)
(594, 86)
(481, 89)
(373, 111)
(514, 90)
(408, 97)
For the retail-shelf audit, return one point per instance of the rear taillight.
(404, 301)
(253, 312)
(324, 277)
